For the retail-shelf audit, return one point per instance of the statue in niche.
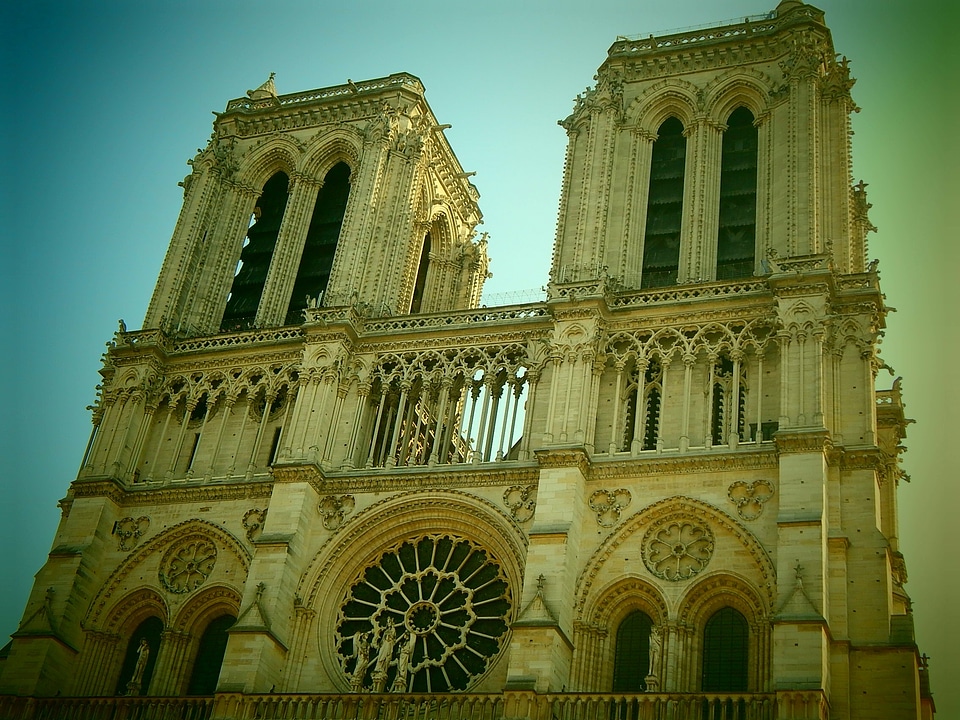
(143, 655)
(652, 680)
(404, 666)
(361, 646)
(656, 648)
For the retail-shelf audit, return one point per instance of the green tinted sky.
(104, 102)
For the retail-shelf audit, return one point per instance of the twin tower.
(323, 482)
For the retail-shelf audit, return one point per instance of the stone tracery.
(187, 564)
(442, 599)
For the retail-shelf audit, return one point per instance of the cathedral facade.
(324, 482)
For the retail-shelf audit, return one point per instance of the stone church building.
(323, 482)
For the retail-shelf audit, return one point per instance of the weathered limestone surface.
(479, 500)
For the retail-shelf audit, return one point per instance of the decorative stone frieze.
(166, 495)
(564, 457)
(802, 442)
(764, 458)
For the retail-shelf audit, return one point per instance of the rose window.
(677, 550)
(186, 565)
(428, 616)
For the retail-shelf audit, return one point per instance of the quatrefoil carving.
(750, 497)
(608, 504)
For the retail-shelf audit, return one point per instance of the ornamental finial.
(266, 90)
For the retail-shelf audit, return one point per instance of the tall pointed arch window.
(737, 233)
(206, 666)
(313, 275)
(244, 297)
(725, 649)
(632, 653)
(661, 244)
(728, 396)
(140, 658)
(642, 421)
(417, 303)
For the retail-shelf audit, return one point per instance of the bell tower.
(322, 481)
(349, 195)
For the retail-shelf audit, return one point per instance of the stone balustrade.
(509, 705)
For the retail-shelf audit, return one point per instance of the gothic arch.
(100, 672)
(616, 600)
(733, 89)
(102, 609)
(442, 227)
(279, 154)
(370, 532)
(721, 589)
(714, 338)
(671, 97)
(596, 628)
(133, 608)
(640, 523)
(208, 604)
(727, 590)
(189, 626)
(341, 145)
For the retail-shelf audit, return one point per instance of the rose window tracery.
(187, 564)
(677, 549)
(428, 616)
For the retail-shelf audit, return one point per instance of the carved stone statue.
(143, 654)
(384, 656)
(404, 666)
(361, 647)
(656, 649)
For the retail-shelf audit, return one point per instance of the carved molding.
(788, 441)
(764, 459)
(629, 591)
(565, 457)
(464, 475)
(146, 495)
(488, 516)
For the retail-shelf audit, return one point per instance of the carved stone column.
(170, 671)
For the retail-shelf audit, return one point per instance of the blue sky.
(104, 102)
